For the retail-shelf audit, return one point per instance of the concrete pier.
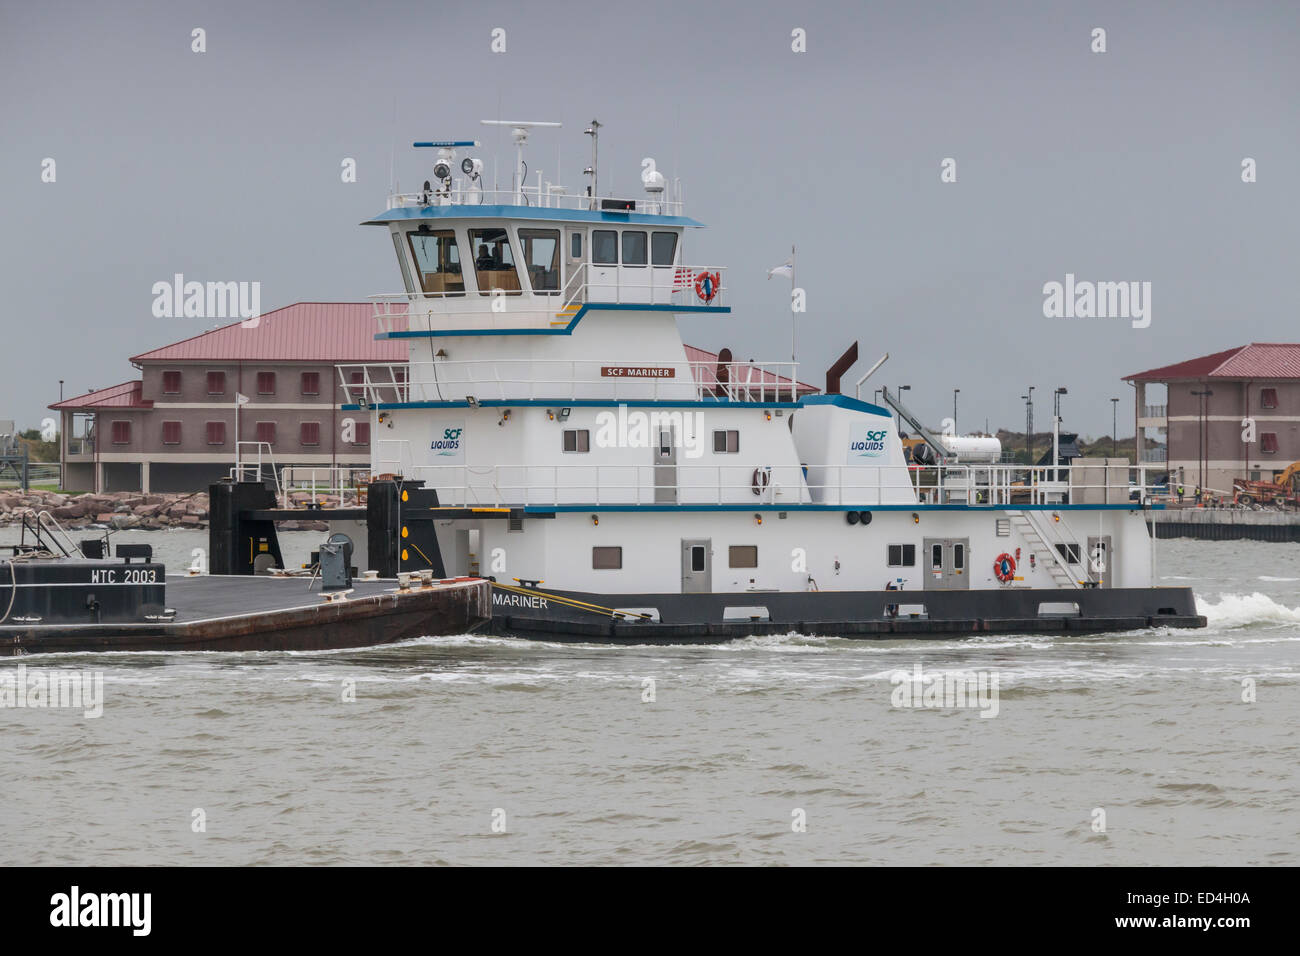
(1226, 524)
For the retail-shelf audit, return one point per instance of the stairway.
(566, 314)
(1047, 553)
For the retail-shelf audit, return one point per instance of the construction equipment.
(1284, 489)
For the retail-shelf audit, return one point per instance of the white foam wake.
(1244, 610)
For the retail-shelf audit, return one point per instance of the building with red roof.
(176, 429)
(1231, 414)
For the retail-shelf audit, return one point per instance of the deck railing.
(563, 380)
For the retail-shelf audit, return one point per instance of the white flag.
(785, 269)
(241, 399)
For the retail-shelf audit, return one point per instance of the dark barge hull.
(241, 613)
(701, 618)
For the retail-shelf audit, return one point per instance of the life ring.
(759, 483)
(1004, 567)
(707, 284)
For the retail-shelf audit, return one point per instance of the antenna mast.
(519, 130)
(594, 132)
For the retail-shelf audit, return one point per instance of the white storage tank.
(968, 448)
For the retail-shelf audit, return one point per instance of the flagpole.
(793, 364)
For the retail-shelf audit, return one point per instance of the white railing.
(563, 380)
(255, 465)
(836, 485)
(594, 284)
(337, 486)
(544, 196)
(1155, 411)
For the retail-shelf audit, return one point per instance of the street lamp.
(901, 390)
(1114, 406)
(60, 389)
(955, 392)
(1056, 430)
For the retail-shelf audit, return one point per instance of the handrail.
(47, 522)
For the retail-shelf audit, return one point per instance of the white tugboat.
(551, 431)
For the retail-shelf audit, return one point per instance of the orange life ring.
(760, 480)
(707, 284)
(1004, 567)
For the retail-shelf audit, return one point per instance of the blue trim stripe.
(843, 401)
(567, 330)
(411, 213)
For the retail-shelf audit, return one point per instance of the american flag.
(682, 279)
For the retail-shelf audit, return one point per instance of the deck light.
(758, 519)
(550, 414)
(471, 401)
(916, 518)
(595, 519)
(564, 414)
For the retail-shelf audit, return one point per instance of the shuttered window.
(121, 433)
(311, 383)
(216, 433)
(265, 383)
(266, 432)
(216, 383)
(309, 433)
(171, 383)
(361, 436)
(171, 433)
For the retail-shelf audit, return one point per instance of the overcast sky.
(1115, 166)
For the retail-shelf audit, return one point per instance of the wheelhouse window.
(401, 261)
(494, 262)
(542, 259)
(901, 556)
(742, 556)
(1268, 398)
(437, 262)
(604, 247)
(663, 248)
(726, 442)
(607, 558)
(171, 383)
(634, 251)
(216, 383)
(577, 440)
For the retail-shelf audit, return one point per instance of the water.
(1147, 726)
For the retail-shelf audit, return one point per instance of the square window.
(607, 558)
(171, 383)
(726, 442)
(577, 440)
(742, 556)
(171, 433)
(604, 247)
(634, 251)
(216, 383)
(901, 556)
(311, 383)
(265, 383)
(216, 433)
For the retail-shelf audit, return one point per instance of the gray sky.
(1117, 166)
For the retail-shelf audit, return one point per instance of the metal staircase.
(1043, 542)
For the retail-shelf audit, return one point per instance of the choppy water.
(1148, 726)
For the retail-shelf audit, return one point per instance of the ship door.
(697, 557)
(1101, 559)
(947, 563)
(575, 252)
(665, 465)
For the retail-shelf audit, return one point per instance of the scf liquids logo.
(449, 443)
(867, 444)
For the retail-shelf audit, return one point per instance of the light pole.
(901, 390)
(1114, 406)
(1056, 430)
(60, 389)
(955, 392)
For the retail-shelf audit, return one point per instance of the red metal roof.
(126, 395)
(302, 332)
(708, 376)
(1259, 360)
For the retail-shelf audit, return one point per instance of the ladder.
(1043, 543)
